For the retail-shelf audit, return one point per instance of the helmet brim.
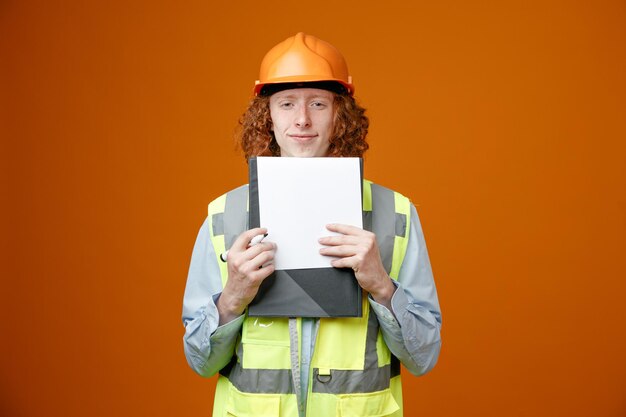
(286, 83)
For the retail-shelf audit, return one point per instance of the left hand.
(357, 249)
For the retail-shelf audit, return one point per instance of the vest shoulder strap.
(387, 213)
(228, 217)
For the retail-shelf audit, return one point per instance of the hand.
(248, 266)
(357, 249)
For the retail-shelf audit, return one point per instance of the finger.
(257, 262)
(238, 260)
(345, 229)
(263, 259)
(241, 243)
(349, 262)
(259, 275)
(255, 250)
(339, 251)
(339, 240)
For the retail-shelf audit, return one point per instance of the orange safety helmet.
(303, 59)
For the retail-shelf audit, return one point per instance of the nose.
(302, 117)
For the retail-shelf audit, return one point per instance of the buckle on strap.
(323, 375)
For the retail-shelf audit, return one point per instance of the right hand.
(247, 268)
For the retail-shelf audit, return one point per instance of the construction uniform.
(315, 367)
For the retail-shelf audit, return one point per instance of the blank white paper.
(298, 197)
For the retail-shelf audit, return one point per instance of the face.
(302, 121)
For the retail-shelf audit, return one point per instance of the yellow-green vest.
(352, 372)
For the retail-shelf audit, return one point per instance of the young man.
(303, 107)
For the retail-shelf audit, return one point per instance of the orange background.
(503, 121)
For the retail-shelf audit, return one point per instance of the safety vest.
(352, 372)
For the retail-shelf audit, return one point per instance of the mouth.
(303, 137)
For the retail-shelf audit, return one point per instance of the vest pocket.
(373, 404)
(241, 404)
(265, 343)
(258, 356)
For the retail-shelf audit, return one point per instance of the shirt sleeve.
(412, 330)
(208, 346)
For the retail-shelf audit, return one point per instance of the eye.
(318, 104)
(285, 105)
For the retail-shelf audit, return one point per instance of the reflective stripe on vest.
(262, 364)
(266, 381)
(229, 217)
